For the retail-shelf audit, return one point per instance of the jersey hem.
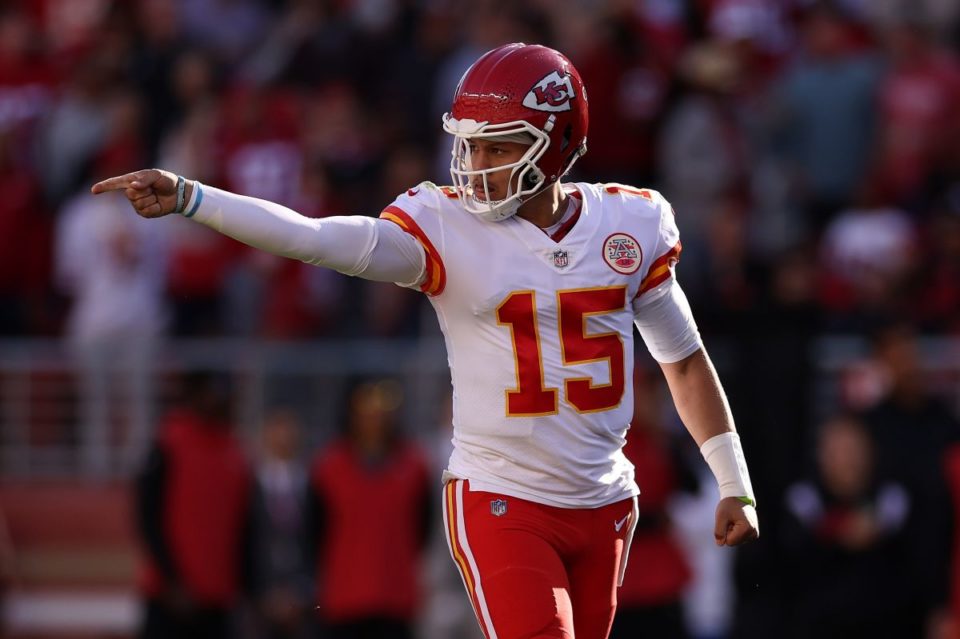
(486, 486)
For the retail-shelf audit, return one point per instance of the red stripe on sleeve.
(436, 276)
(620, 188)
(659, 271)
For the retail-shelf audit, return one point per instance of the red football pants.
(535, 571)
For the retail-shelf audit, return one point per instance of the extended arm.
(355, 245)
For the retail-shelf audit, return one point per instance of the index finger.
(116, 183)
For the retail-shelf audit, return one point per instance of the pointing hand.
(152, 192)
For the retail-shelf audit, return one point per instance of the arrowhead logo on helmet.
(552, 93)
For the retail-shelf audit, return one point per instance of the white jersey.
(539, 336)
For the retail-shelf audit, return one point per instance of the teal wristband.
(197, 198)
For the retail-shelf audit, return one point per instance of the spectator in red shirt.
(649, 603)
(26, 246)
(27, 77)
(949, 622)
(193, 497)
(919, 99)
(372, 514)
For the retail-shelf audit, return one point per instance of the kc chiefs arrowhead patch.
(553, 93)
(622, 253)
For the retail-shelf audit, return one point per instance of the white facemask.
(524, 172)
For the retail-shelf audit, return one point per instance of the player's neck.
(545, 208)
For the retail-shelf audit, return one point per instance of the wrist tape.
(724, 455)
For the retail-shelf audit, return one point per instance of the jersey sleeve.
(667, 326)
(417, 212)
(660, 273)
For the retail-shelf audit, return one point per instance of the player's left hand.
(736, 523)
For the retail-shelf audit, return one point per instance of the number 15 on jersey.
(532, 397)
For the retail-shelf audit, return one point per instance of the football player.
(537, 285)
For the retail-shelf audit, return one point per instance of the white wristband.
(724, 455)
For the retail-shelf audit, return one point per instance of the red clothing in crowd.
(918, 106)
(207, 482)
(25, 235)
(657, 571)
(952, 472)
(372, 535)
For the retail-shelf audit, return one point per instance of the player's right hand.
(152, 192)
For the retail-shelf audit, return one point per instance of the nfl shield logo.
(560, 258)
(498, 507)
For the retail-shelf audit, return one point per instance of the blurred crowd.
(330, 541)
(811, 151)
(344, 540)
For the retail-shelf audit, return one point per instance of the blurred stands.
(810, 150)
(73, 562)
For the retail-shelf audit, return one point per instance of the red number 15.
(531, 397)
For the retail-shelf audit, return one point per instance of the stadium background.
(810, 151)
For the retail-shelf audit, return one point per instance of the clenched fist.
(152, 192)
(736, 523)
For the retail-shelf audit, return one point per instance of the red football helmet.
(513, 90)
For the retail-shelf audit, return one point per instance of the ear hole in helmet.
(565, 140)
